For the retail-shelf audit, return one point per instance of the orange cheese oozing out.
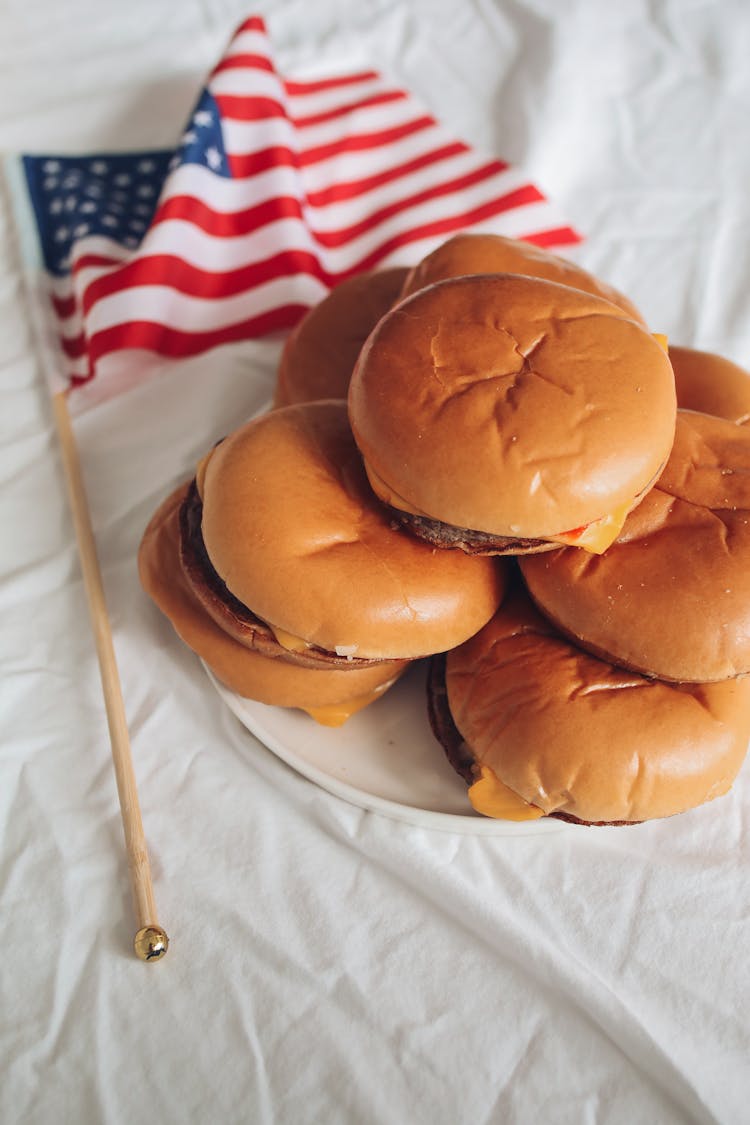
(490, 797)
(336, 714)
(288, 640)
(596, 537)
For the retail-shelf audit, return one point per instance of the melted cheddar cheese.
(288, 640)
(596, 537)
(490, 797)
(336, 714)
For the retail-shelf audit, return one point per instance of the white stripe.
(100, 245)
(347, 212)
(249, 43)
(242, 136)
(348, 167)
(227, 196)
(247, 82)
(208, 252)
(306, 105)
(162, 305)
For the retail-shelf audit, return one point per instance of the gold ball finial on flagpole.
(151, 943)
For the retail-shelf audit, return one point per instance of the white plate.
(385, 758)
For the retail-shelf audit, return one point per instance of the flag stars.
(99, 167)
(190, 137)
(123, 180)
(81, 230)
(109, 221)
(213, 158)
(55, 207)
(62, 234)
(50, 183)
(51, 166)
(203, 119)
(145, 167)
(145, 191)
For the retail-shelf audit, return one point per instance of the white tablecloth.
(329, 964)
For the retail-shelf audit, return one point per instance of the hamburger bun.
(539, 728)
(319, 356)
(512, 407)
(711, 384)
(492, 253)
(671, 597)
(272, 680)
(295, 534)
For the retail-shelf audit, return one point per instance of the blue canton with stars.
(114, 194)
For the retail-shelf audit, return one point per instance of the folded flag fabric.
(281, 186)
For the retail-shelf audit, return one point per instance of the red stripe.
(350, 107)
(252, 23)
(239, 107)
(556, 236)
(85, 260)
(315, 86)
(63, 306)
(349, 189)
(230, 223)
(249, 164)
(192, 281)
(74, 346)
(177, 344)
(244, 62)
(445, 226)
(340, 237)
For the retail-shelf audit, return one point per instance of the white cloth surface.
(329, 964)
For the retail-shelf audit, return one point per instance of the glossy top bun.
(573, 735)
(492, 253)
(511, 405)
(273, 681)
(319, 355)
(292, 527)
(671, 597)
(709, 383)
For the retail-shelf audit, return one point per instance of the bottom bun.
(329, 696)
(544, 729)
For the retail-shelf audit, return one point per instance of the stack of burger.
(482, 461)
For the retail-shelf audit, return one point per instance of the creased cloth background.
(327, 964)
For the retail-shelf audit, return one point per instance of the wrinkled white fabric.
(328, 964)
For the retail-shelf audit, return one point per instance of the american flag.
(280, 187)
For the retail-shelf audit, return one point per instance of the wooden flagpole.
(151, 941)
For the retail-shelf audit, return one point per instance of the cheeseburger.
(503, 414)
(319, 356)
(282, 570)
(537, 727)
(492, 253)
(671, 597)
